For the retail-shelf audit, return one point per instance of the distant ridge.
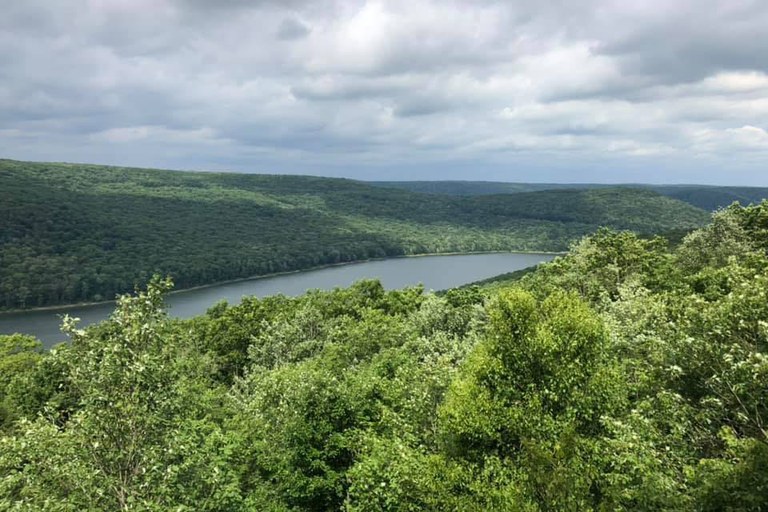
(706, 197)
(79, 233)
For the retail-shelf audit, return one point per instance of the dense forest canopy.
(73, 233)
(626, 375)
(707, 197)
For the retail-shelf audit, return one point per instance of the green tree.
(530, 399)
(129, 445)
(19, 354)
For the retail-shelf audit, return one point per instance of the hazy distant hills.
(72, 233)
(702, 196)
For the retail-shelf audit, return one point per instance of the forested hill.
(479, 188)
(706, 197)
(72, 233)
(622, 376)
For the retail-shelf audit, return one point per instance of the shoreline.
(64, 307)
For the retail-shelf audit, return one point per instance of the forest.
(629, 374)
(74, 233)
(706, 197)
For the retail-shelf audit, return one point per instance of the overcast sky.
(570, 91)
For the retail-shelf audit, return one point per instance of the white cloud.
(731, 140)
(336, 85)
(750, 136)
(156, 134)
(737, 82)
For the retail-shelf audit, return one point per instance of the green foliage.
(714, 244)
(74, 233)
(19, 354)
(709, 198)
(623, 376)
(532, 396)
(599, 265)
(129, 444)
(738, 480)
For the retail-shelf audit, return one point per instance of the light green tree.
(133, 442)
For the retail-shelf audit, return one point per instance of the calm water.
(434, 272)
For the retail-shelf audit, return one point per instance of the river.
(434, 272)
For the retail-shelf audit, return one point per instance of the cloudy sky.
(514, 90)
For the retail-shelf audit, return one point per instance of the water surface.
(434, 272)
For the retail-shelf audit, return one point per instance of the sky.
(661, 91)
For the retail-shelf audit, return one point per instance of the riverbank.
(432, 273)
(65, 307)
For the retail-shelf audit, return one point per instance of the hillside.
(72, 233)
(473, 188)
(621, 376)
(712, 198)
(706, 197)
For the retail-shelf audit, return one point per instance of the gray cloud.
(695, 40)
(517, 90)
(291, 29)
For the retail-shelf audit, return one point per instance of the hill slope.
(72, 233)
(621, 376)
(701, 196)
